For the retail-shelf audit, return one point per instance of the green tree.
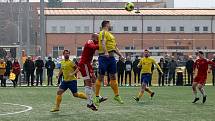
(55, 3)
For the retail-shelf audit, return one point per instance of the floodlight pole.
(42, 30)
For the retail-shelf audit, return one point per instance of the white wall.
(118, 22)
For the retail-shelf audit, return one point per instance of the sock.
(202, 92)
(195, 94)
(58, 100)
(98, 86)
(94, 90)
(148, 90)
(140, 94)
(88, 91)
(82, 95)
(114, 86)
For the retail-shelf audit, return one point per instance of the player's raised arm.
(159, 68)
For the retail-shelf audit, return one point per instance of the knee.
(112, 76)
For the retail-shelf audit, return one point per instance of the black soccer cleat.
(195, 100)
(153, 94)
(204, 99)
(102, 99)
(137, 99)
(92, 107)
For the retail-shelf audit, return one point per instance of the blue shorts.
(107, 64)
(72, 85)
(145, 78)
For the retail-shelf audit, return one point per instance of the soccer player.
(69, 69)
(86, 69)
(107, 61)
(145, 64)
(201, 65)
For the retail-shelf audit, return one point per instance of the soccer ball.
(129, 6)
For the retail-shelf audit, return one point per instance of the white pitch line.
(28, 109)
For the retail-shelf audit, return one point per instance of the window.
(62, 29)
(149, 28)
(173, 28)
(181, 28)
(158, 28)
(57, 51)
(197, 28)
(205, 28)
(79, 51)
(125, 28)
(54, 29)
(87, 29)
(134, 28)
(77, 29)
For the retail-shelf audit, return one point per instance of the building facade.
(155, 29)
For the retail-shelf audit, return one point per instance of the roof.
(116, 12)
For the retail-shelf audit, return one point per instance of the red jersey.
(89, 50)
(202, 66)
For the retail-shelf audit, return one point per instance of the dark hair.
(146, 50)
(104, 23)
(66, 51)
(200, 52)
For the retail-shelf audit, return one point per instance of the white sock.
(88, 91)
(195, 94)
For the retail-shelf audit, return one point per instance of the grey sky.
(177, 4)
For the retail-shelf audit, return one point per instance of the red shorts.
(200, 79)
(86, 70)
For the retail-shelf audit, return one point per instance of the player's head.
(146, 53)
(29, 58)
(49, 58)
(39, 58)
(95, 38)
(161, 60)
(190, 57)
(1, 60)
(128, 58)
(15, 60)
(106, 24)
(200, 54)
(66, 54)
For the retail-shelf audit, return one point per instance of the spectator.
(29, 68)
(8, 68)
(50, 66)
(39, 64)
(60, 78)
(172, 68)
(16, 70)
(163, 66)
(189, 68)
(128, 68)
(95, 67)
(2, 72)
(166, 70)
(213, 71)
(136, 70)
(120, 71)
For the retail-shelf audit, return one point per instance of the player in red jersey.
(86, 70)
(201, 65)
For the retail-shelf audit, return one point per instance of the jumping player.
(201, 65)
(69, 69)
(86, 70)
(107, 62)
(145, 64)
